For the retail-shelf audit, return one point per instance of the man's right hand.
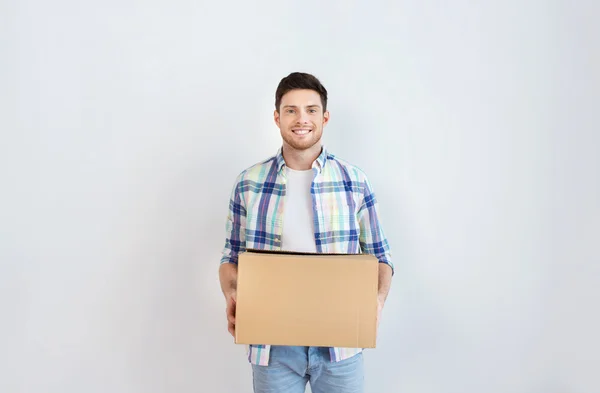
(230, 298)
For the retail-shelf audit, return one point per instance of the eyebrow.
(308, 106)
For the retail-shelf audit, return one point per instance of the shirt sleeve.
(372, 237)
(235, 226)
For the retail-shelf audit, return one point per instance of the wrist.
(229, 292)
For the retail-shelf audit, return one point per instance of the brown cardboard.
(307, 299)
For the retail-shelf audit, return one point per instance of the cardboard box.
(327, 300)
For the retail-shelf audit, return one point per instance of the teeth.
(301, 132)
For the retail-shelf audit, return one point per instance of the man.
(303, 199)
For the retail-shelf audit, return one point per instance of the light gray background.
(124, 123)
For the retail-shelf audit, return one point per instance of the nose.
(303, 118)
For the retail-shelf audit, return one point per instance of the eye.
(312, 110)
(289, 111)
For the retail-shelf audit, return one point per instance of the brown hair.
(300, 80)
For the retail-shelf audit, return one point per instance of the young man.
(303, 199)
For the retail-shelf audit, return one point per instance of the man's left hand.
(380, 303)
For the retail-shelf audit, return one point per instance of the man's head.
(301, 110)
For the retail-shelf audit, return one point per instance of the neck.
(301, 160)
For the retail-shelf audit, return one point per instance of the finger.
(231, 314)
(231, 307)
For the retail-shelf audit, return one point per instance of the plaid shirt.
(345, 218)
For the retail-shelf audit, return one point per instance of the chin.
(303, 147)
(293, 143)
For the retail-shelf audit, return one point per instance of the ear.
(325, 118)
(276, 117)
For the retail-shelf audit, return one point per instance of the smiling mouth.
(301, 131)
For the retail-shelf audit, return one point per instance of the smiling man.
(303, 199)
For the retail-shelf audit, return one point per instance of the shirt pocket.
(337, 216)
(263, 231)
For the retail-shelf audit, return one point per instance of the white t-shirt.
(298, 226)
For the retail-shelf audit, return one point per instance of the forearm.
(385, 281)
(228, 277)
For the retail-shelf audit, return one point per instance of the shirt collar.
(319, 163)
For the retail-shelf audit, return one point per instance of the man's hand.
(380, 303)
(230, 298)
(228, 279)
(385, 279)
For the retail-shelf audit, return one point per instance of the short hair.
(300, 80)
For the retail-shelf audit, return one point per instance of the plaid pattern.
(345, 219)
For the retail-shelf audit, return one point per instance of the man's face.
(301, 118)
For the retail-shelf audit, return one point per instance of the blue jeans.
(290, 368)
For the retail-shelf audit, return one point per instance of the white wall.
(123, 125)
